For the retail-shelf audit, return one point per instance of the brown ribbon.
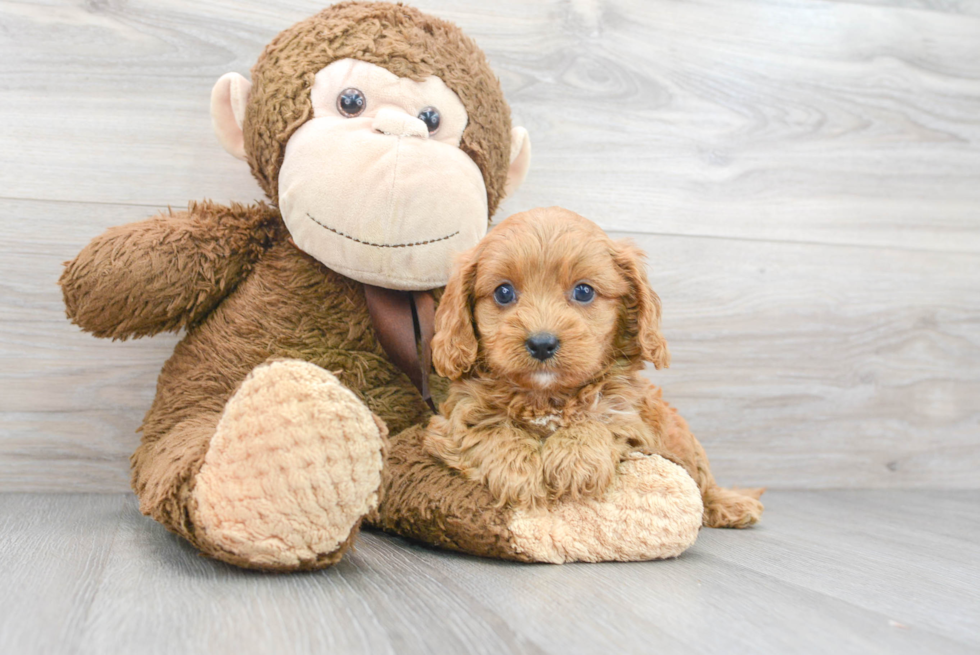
(405, 322)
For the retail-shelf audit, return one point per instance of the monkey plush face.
(383, 137)
(374, 185)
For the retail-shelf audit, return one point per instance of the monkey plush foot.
(293, 467)
(652, 511)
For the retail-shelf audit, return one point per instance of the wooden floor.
(805, 175)
(826, 572)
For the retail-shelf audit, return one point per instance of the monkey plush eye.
(430, 116)
(504, 294)
(583, 293)
(351, 102)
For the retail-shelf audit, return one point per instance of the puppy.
(544, 329)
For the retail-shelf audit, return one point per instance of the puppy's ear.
(644, 340)
(454, 346)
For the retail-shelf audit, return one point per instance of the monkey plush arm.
(167, 272)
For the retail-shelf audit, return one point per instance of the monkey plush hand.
(384, 144)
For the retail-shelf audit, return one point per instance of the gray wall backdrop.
(805, 176)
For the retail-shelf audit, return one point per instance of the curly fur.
(536, 432)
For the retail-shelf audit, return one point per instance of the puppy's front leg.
(507, 460)
(580, 460)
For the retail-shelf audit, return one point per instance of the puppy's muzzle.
(542, 345)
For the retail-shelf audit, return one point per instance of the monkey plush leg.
(281, 482)
(652, 510)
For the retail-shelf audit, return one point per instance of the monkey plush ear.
(520, 159)
(229, 97)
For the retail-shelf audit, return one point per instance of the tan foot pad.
(652, 511)
(294, 465)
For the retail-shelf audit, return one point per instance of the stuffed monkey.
(384, 144)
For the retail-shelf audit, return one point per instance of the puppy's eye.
(583, 293)
(430, 116)
(351, 102)
(504, 294)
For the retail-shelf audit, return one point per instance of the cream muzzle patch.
(375, 195)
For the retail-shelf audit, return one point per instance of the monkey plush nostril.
(398, 123)
(542, 345)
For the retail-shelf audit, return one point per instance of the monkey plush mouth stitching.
(381, 245)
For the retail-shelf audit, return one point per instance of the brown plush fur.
(270, 301)
(535, 432)
(232, 279)
(427, 502)
(168, 272)
(400, 39)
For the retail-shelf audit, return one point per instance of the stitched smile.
(381, 245)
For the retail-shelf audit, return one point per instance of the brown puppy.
(544, 328)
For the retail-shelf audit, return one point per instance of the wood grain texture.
(801, 120)
(845, 572)
(782, 355)
(805, 175)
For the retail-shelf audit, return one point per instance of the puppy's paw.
(438, 441)
(506, 460)
(579, 461)
(513, 475)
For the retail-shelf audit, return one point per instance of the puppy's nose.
(542, 345)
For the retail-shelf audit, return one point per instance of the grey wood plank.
(798, 365)
(161, 597)
(797, 121)
(853, 367)
(943, 6)
(768, 589)
(53, 554)
(848, 572)
(901, 553)
(69, 403)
